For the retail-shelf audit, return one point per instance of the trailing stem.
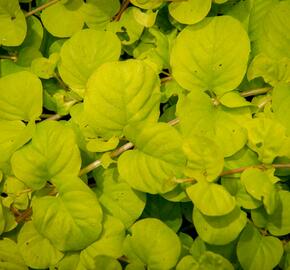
(124, 5)
(40, 8)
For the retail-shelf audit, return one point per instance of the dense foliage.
(145, 134)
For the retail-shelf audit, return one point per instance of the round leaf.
(212, 55)
(158, 252)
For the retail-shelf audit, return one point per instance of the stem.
(24, 215)
(166, 79)
(9, 57)
(44, 6)
(256, 92)
(54, 117)
(124, 5)
(264, 103)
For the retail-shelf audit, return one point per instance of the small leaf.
(141, 247)
(156, 162)
(211, 55)
(52, 152)
(72, 220)
(133, 89)
(258, 252)
(219, 230)
(20, 96)
(36, 250)
(211, 199)
(234, 100)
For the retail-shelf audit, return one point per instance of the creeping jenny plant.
(145, 134)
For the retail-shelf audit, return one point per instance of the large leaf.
(118, 198)
(152, 244)
(275, 40)
(200, 116)
(157, 160)
(12, 23)
(73, 219)
(36, 250)
(83, 53)
(10, 256)
(258, 252)
(211, 199)
(189, 11)
(204, 158)
(71, 18)
(52, 152)
(211, 55)
(110, 243)
(20, 96)
(120, 93)
(219, 230)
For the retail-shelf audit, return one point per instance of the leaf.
(99, 145)
(12, 23)
(278, 223)
(272, 71)
(190, 11)
(211, 199)
(101, 262)
(36, 250)
(219, 230)
(156, 162)
(199, 116)
(70, 13)
(275, 40)
(10, 256)
(68, 262)
(147, 18)
(52, 152)
(20, 97)
(266, 137)
(233, 100)
(204, 158)
(147, 4)
(83, 53)
(166, 211)
(120, 93)
(280, 102)
(45, 67)
(258, 252)
(110, 242)
(34, 34)
(259, 185)
(212, 55)
(72, 220)
(158, 252)
(98, 13)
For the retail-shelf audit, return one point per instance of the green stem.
(255, 92)
(40, 8)
(9, 57)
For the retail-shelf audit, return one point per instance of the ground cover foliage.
(144, 134)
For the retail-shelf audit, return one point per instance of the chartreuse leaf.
(147, 4)
(98, 13)
(70, 13)
(278, 223)
(118, 198)
(204, 158)
(266, 137)
(36, 250)
(152, 244)
(11, 259)
(166, 211)
(100, 262)
(110, 242)
(233, 100)
(157, 159)
(212, 55)
(258, 252)
(12, 23)
(13, 135)
(20, 96)
(72, 220)
(211, 199)
(275, 40)
(147, 18)
(83, 53)
(189, 11)
(45, 67)
(70, 261)
(52, 152)
(261, 187)
(219, 230)
(198, 115)
(34, 33)
(207, 261)
(272, 71)
(280, 105)
(120, 93)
